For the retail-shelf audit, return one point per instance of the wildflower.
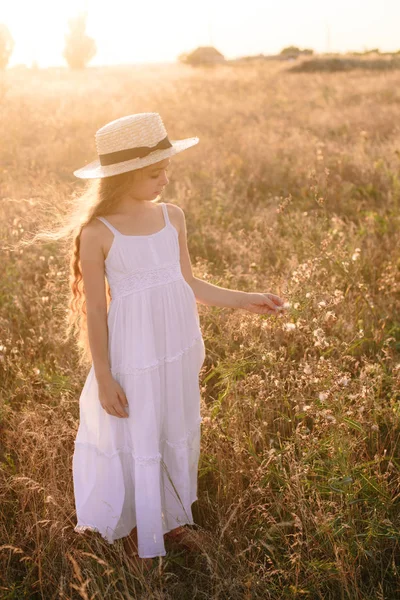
(330, 316)
(289, 326)
(322, 396)
(318, 333)
(356, 254)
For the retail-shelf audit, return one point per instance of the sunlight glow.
(128, 32)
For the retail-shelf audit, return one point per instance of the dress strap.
(108, 224)
(165, 211)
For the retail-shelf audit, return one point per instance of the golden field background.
(293, 189)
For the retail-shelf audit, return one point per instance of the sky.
(128, 32)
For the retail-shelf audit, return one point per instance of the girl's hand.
(112, 397)
(264, 304)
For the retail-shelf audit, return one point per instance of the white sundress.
(142, 470)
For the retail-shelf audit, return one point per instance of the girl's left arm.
(213, 295)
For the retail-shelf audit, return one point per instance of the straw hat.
(130, 143)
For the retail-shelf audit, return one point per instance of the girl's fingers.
(119, 412)
(112, 411)
(123, 402)
(122, 397)
(115, 411)
(270, 304)
(276, 299)
(124, 408)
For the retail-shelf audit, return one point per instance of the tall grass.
(294, 188)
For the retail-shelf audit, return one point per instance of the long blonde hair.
(99, 198)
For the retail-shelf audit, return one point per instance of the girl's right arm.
(112, 396)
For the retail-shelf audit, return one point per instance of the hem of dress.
(80, 528)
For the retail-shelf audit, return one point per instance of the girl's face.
(152, 181)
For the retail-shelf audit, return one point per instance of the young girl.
(138, 442)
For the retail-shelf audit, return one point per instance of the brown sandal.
(143, 565)
(131, 552)
(181, 536)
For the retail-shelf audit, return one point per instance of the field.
(293, 189)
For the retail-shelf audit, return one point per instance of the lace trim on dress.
(147, 460)
(140, 280)
(187, 439)
(121, 370)
(83, 528)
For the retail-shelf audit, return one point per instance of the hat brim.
(95, 170)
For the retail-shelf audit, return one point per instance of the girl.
(138, 442)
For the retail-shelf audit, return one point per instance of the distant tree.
(6, 45)
(79, 47)
(290, 51)
(203, 56)
(183, 57)
(293, 52)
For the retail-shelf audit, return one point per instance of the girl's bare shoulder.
(176, 215)
(92, 240)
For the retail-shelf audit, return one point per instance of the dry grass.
(294, 188)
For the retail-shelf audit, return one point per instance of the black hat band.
(113, 158)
